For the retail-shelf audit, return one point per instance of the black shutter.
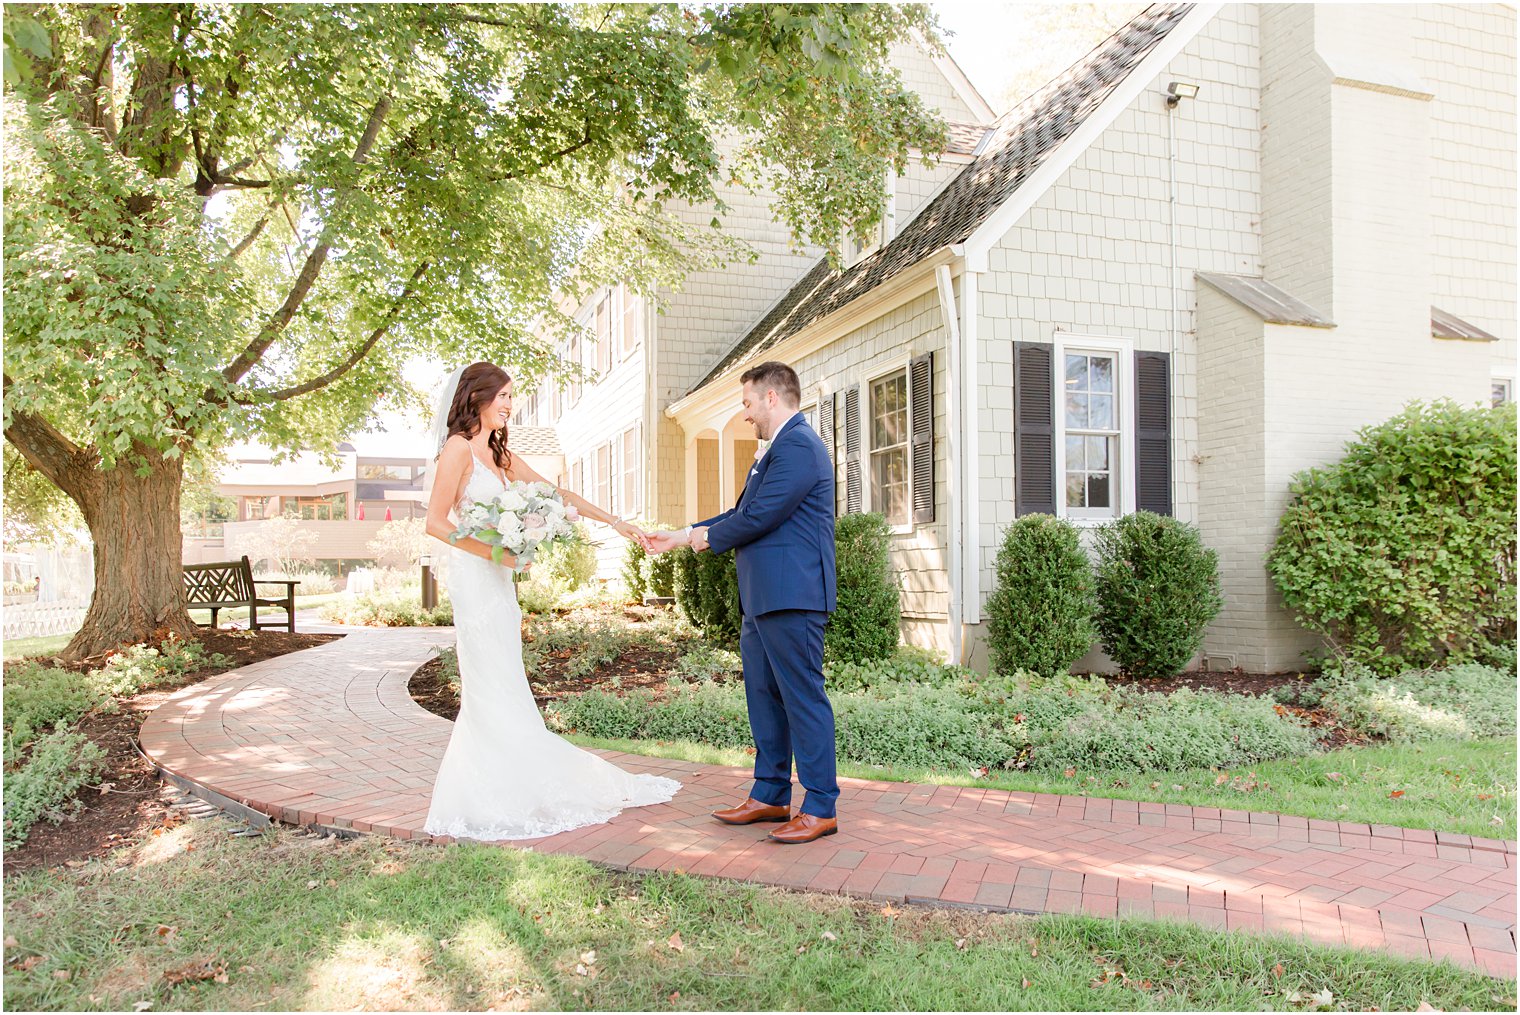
(1034, 457)
(826, 425)
(921, 443)
(1153, 432)
(852, 451)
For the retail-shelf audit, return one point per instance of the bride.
(504, 776)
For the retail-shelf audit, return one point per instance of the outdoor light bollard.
(429, 589)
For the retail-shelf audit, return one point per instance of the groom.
(782, 532)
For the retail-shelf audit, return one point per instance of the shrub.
(534, 596)
(400, 543)
(704, 662)
(400, 608)
(1403, 553)
(865, 623)
(56, 768)
(1019, 721)
(1468, 700)
(908, 666)
(635, 577)
(140, 667)
(1157, 589)
(684, 581)
(569, 563)
(38, 697)
(1146, 731)
(314, 583)
(1039, 616)
(718, 596)
(659, 572)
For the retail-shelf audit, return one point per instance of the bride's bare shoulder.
(456, 448)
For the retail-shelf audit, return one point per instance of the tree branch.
(247, 241)
(547, 162)
(234, 371)
(47, 450)
(362, 350)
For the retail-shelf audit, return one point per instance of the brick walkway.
(330, 735)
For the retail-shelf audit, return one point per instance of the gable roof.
(1022, 140)
(534, 440)
(1448, 325)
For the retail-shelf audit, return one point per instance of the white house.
(1190, 266)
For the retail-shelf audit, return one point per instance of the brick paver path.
(330, 735)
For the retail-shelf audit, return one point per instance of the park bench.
(230, 583)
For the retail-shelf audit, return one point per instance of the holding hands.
(659, 542)
(632, 532)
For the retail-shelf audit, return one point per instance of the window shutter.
(826, 425)
(921, 443)
(1034, 462)
(1153, 432)
(852, 451)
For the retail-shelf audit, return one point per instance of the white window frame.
(1123, 350)
(809, 413)
(899, 365)
(1499, 376)
(634, 510)
(624, 350)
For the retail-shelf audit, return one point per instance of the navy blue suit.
(782, 534)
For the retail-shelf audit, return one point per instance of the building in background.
(344, 500)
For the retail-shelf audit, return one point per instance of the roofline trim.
(958, 81)
(912, 281)
(1063, 158)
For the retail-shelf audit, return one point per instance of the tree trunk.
(139, 587)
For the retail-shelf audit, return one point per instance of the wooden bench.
(230, 583)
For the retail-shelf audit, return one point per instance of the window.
(888, 432)
(573, 395)
(577, 478)
(810, 414)
(604, 336)
(630, 495)
(1090, 423)
(633, 321)
(256, 508)
(370, 470)
(330, 508)
(1504, 391)
(604, 476)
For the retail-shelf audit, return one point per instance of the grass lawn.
(268, 613)
(48, 645)
(1453, 786)
(195, 919)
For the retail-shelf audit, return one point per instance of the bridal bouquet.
(519, 520)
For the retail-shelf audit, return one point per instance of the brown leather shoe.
(805, 828)
(751, 811)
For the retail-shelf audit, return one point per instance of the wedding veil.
(439, 431)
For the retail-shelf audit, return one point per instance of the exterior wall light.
(1176, 91)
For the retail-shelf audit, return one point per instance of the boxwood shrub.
(866, 622)
(1039, 616)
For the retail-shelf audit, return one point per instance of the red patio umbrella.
(387, 514)
(360, 515)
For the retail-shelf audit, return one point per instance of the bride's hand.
(630, 531)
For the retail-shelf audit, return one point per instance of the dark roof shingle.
(1024, 137)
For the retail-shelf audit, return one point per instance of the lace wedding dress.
(504, 775)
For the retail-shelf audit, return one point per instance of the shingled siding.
(1092, 257)
(1466, 54)
(919, 555)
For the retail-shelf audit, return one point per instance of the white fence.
(38, 620)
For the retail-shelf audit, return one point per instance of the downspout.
(1173, 400)
(954, 417)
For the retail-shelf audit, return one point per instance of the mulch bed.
(125, 804)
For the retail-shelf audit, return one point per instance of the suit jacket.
(782, 529)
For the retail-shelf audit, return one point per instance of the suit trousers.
(789, 713)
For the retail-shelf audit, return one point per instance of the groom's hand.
(659, 542)
(699, 539)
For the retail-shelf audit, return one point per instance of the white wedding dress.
(504, 775)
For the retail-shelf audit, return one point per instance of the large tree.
(227, 221)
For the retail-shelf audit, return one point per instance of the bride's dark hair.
(477, 386)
